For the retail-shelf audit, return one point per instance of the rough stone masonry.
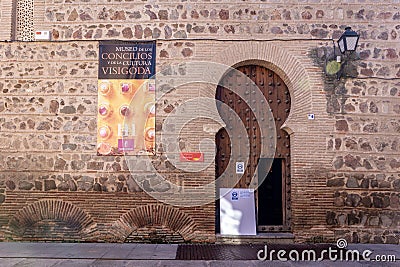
(345, 166)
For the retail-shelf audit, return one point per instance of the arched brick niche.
(159, 222)
(52, 219)
(288, 66)
(292, 62)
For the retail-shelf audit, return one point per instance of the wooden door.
(273, 195)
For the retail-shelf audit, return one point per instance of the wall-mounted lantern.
(348, 41)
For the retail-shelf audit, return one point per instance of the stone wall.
(345, 163)
(218, 19)
(48, 139)
(366, 174)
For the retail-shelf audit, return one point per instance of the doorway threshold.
(260, 238)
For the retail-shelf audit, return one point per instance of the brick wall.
(6, 11)
(345, 163)
(91, 216)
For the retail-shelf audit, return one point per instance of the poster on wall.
(126, 98)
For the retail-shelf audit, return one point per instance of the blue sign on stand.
(237, 211)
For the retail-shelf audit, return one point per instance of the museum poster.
(126, 98)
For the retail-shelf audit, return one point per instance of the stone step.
(260, 238)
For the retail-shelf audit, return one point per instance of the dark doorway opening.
(270, 192)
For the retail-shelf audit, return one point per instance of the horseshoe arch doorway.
(272, 198)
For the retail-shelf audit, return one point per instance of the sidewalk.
(112, 254)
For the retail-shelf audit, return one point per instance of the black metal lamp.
(348, 41)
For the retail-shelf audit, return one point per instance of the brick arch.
(159, 215)
(285, 64)
(72, 220)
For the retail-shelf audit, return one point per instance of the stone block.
(49, 185)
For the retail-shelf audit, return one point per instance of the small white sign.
(311, 116)
(42, 35)
(239, 167)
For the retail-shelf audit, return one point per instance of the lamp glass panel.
(341, 45)
(351, 42)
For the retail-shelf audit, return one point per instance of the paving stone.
(75, 263)
(87, 256)
(37, 262)
(8, 262)
(119, 251)
(174, 263)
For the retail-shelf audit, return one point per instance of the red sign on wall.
(192, 156)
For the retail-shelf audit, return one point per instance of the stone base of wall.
(102, 217)
(377, 236)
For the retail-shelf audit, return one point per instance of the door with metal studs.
(273, 194)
